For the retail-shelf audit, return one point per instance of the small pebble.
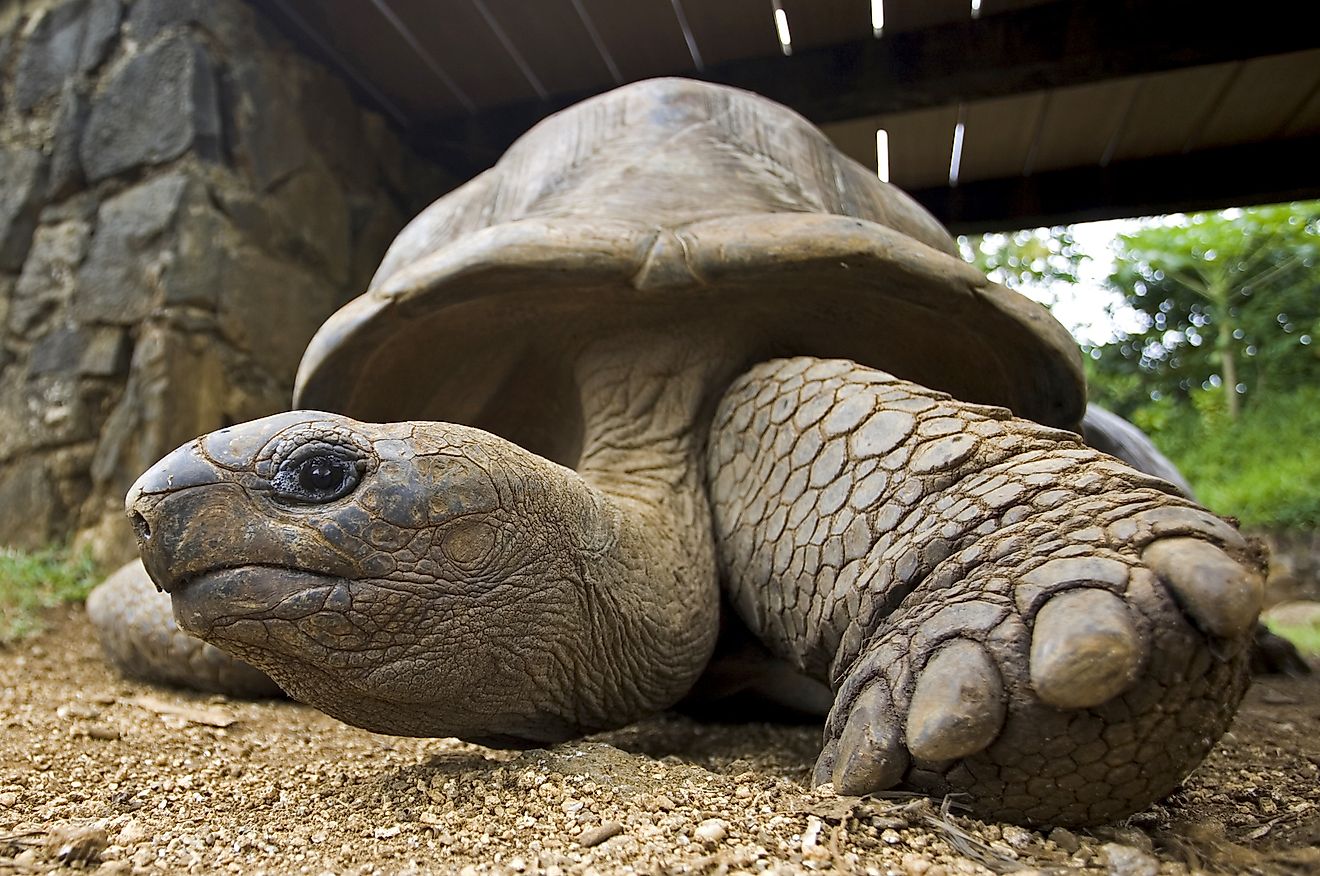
(1127, 861)
(77, 710)
(1017, 837)
(8, 799)
(131, 833)
(915, 865)
(661, 802)
(594, 836)
(76, 845)
(1065, 839)
(712, 830)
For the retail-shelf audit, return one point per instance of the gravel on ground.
(111, 776)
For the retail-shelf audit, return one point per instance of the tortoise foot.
(1071, 691)
(1002, 613)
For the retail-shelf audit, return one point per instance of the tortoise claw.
(869, 755)
(824, 770)
(958, 706)
(1085, 649)
(1221, 595)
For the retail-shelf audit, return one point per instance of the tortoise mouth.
(224, 596)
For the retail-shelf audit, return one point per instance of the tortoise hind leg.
(1002, 612)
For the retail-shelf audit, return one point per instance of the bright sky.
(1085, 308)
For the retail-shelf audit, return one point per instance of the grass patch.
(1263, 469)
(1305, 636)
(32, 582)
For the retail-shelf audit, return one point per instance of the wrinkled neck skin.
(643, 450)
(644, 435)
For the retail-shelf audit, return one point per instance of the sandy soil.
(100, 773)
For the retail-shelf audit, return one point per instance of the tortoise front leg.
(1002, 612)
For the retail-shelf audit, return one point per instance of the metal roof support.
(597, 41)
(383, 7)
(688, 36)
(526, 69)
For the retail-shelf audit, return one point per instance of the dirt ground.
(116, 777)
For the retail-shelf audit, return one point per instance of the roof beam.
(1255, 173)
(1039, 47)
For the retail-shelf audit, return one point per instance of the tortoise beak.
(183, 468)
(180, 529)
(155, 513)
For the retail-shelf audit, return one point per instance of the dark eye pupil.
(320, 474)
(316, 477)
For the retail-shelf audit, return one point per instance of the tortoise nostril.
(140, 526)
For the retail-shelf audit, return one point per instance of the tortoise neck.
(644, 401)
(644, 432)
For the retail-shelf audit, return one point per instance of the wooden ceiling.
(1069, 109)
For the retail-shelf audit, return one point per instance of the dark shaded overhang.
(1069, 109)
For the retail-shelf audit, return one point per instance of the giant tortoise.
(676, 370)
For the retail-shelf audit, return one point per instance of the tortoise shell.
(665, 205)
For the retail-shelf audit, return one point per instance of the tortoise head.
(387, 574)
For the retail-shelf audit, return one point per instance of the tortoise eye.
(321, 474)
(315, 479)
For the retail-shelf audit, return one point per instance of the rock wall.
(184, 198)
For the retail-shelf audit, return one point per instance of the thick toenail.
(1221, 595)
(958, 706)
(1084, 649)
(870, 756)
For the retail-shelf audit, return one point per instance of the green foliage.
(1223, 369)
(1229, 302)
(1306, 637)
(33, 582)
(1263, 468)
(1033, 257)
